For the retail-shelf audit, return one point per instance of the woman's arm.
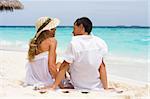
(52, 57)
(103, 75)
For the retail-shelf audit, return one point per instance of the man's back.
(87, 53)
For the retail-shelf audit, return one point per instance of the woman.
(41, 67)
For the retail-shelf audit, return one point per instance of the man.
(84, 59)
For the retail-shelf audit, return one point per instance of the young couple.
(83, 58)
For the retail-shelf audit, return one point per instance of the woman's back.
(37, 71)
(45, 45)
(42, 53)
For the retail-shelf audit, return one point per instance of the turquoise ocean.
(128, 46)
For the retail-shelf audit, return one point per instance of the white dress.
(37, 71)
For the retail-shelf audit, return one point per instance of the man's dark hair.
(86, 22)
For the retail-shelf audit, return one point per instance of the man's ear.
(81, 26)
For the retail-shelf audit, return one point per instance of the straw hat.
(45, 23)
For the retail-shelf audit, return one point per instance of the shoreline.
(118, 78)
(111, 62)
(118, 26)
(12, 73)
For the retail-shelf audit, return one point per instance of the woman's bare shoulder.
(52, 40)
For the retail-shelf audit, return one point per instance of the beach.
(12, 73)
(126, 63)
(124, 26)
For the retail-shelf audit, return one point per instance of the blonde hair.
(34, 44)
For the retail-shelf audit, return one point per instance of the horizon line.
(117, 26)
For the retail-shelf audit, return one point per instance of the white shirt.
(37, 71)
(85, 54)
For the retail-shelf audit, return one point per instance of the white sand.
(12, 73)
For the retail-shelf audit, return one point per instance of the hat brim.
(52, 24)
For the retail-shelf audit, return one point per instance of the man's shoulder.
(74, 40)
(80, 39)
(100, 41)
(98, 38)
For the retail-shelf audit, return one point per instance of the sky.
(101, 12)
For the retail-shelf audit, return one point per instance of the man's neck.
(85, 33)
